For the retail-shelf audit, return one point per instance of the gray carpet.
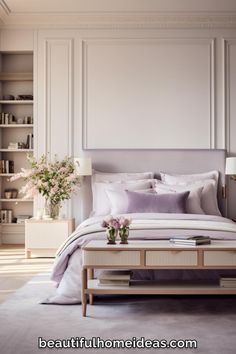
(209, 320)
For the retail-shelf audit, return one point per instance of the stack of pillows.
(120, 193)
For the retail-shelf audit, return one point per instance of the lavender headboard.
(170, 161)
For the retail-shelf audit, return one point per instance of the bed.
(142, 169)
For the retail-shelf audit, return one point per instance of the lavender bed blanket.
(67, 266)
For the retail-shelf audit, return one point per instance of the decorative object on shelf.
(8, 97)
(24, 97)
(14, 193)
(20, 121)
(7, 194)
(21, 145)
(28, 120)
(115, 226)
(55, 181)
(10, 193)
(230, 168)
(13, 146)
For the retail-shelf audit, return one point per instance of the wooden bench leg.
(90, 276)
(83, 289)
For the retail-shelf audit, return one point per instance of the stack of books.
(228, 282)
(191, 241)
(21, 218)
(6, 166)
(114, 278)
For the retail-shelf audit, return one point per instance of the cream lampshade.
(230, 167)
(83, 166)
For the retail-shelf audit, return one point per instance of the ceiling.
(38, 13)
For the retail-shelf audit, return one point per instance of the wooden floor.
(16, 270)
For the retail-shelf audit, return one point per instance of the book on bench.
(191, 240)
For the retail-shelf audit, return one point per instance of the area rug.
(136, 322)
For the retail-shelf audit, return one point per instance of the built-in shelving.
(4, 76)
(7, 174)
(16, 150)
(15, 200)
(11, 224)
(16, 125)
(16, 102)
(16, 79)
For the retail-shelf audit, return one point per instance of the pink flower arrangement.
(56, 180)
(116, 223)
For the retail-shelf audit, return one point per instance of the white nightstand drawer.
(171, 258)
(116, 258)
(45, 235)
(219, 258)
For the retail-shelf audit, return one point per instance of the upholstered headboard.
(170, 161)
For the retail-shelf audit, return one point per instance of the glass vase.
(51, 210)
(124, 234)
(111, 235)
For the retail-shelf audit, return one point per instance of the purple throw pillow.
(163, 203)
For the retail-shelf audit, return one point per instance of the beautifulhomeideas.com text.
(99, 343)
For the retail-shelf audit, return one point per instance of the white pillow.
(209, 200)
(193, 202)
(186, 178)
(119, 200)
(98, 176)
(101, 203)
(209, 203)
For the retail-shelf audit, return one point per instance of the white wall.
(149, 90)
(131, 89)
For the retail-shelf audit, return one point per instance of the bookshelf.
(16, 139)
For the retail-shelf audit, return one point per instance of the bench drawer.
(115, 258)
(171, 258)
(219, 258)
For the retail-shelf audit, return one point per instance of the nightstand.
(44, 237)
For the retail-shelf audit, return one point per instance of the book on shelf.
(114, 277)
(113, 282)
(228, 282)
(30, 141)
(6, 216)
(6, 166)
(191, 240)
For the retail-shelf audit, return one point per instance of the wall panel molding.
(207, 46)
(228, 65)
(229, 71)
(60, 90)
(116, 21)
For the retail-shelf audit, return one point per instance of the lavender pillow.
(150, 203)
